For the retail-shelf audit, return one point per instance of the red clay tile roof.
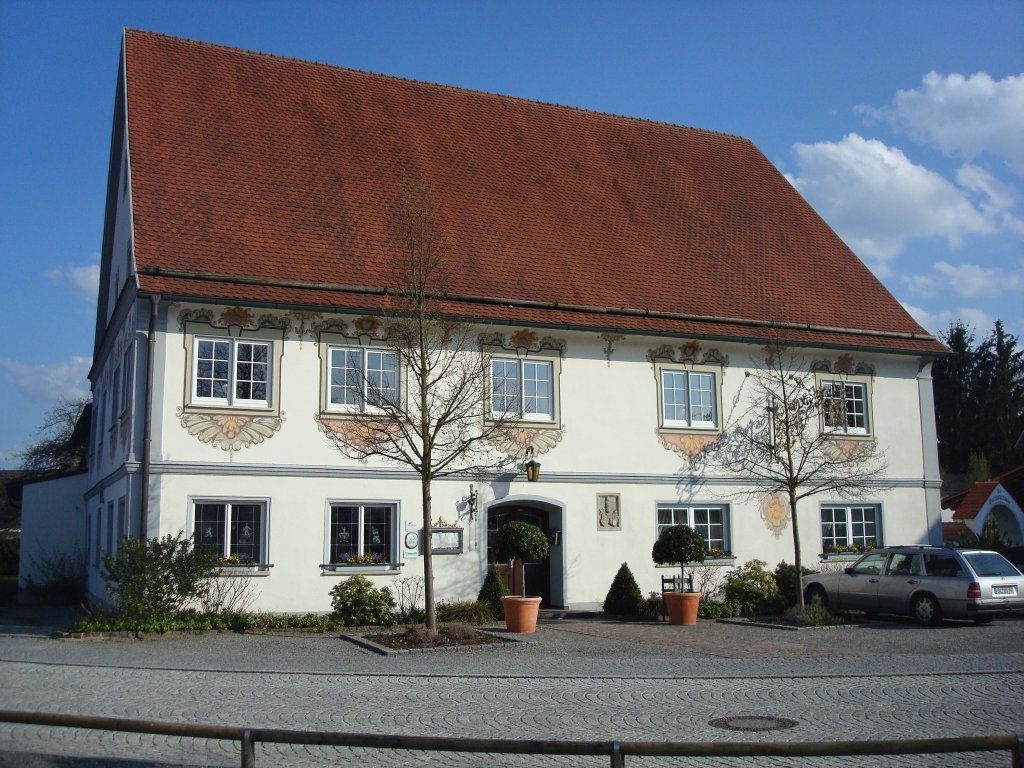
(969, 503)
(283, 172)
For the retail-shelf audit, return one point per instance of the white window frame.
(393, 509)
(692, 514)
(225, 547)
(838, 405)
(232, 399)
(363, 406)
(126, 380)
(516, 402)
(692, 375)
(854, 519)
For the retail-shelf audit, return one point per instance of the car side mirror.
(850, 570)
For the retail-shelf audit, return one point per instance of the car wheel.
(925, 610)
(817, 596)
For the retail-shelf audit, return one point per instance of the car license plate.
(1004, 590)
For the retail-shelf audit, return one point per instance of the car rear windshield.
(991, 564)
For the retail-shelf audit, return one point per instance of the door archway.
(544, 578)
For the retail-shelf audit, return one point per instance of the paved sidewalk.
(575, 679)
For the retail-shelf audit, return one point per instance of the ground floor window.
(850, 528)
(710, 521)
(361, 534)
(234, 530)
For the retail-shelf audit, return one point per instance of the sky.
(901, 122)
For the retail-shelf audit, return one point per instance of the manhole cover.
(752, 723)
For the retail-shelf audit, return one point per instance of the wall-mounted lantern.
(531, 466)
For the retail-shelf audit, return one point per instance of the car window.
(943, 565)
(990, 564)
(904, 564)
(871, 564)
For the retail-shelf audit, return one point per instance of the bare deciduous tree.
(59, 448)
(436, 426)
(781, 438)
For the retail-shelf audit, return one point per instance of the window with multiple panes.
(231, 371)
(845, 406)
(689, 399)
(234, 530)
(361, 533)
(522, 389)
(710, 521)
(362, 379)
(844, 527)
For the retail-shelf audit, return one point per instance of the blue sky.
(902, 123)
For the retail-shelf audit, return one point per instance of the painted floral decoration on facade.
(844, 364)
(515, 440)
(357, 431)
(690, 352)
(610, 340)
(230, 432)
(687, 446)
(774, 514)
(523, 340)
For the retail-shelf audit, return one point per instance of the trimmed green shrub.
(679, 545)
(788, 583)
(466, 612)
(154, 579)
(520, 540)
(651, 605)
(624, 597)
(492, 591)
(357, 603)
(753, 588)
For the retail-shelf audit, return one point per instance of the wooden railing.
(615, 750)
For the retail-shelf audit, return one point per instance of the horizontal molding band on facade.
(389, 473)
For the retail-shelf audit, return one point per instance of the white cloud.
(971, 281)
(46, 384)
(877, 199)
(84, 279)
(938, 323)
(962, 116)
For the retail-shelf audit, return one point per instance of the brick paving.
(576, 679)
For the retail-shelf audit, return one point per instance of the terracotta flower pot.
(682, 607)
(521, 613)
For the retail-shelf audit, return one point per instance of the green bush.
(465, 612)
(9, 548)
(492, 591)
(153, 580)
(710, 609)
(651, 605)
(357, 603)
(624, 597)
(787, 582)
(679, 545)
(752, 587)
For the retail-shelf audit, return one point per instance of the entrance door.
(537, 572)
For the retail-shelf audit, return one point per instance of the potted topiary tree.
(518, 541)
(683, 545)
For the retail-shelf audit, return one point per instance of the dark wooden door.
(536, 572)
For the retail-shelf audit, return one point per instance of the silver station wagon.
(927, 583)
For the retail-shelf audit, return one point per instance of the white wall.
(53, 528)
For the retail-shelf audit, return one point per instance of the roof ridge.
(443, 86)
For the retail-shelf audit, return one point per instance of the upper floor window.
(362, 379)
(522, 389)
(689, 398)
(231, 371)
(711, 522)
(845, 406)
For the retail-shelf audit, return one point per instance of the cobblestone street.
(576, 679)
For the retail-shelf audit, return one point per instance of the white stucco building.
(623, 274)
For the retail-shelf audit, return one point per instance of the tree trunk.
(428, 563)
(796, 553)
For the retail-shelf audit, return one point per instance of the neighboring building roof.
(282, 173)
(970, 502)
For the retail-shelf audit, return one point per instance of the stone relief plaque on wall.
(609, 513)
